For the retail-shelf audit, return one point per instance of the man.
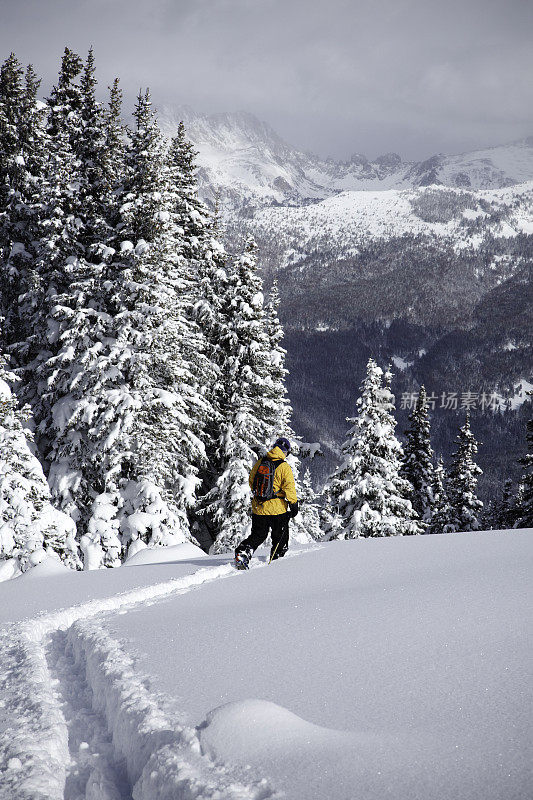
(274, 503)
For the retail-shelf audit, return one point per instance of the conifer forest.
(142, 367)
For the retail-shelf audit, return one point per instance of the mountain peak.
(244, 160)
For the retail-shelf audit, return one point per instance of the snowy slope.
(351, 219)
(490, 168)
(372, 668)
(245, 161)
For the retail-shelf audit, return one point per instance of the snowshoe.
(242, 561)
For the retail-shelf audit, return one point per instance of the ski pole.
(274, 552)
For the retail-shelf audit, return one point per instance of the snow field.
(375, 669)
(34, 596)
(45, 672)
(163, 758)
(390, 668)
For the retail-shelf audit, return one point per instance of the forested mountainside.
(428, 264)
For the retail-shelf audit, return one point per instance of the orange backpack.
(263, 483)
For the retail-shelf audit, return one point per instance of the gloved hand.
(293, 509)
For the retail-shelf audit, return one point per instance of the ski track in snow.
(77, 723)
(92, 771)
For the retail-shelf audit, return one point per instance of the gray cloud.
(417, 76)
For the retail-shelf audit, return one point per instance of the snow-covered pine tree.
(11, 93)
(247, 404)
(70, 374)
(417, 463)
(113, 155)
(518, 503)
(367, 488)
(280, 409)
(206, 262)
(524, 502)
(504, 511)
(202, 259)
(212, 317)
(101, 154)
(11, 101)
(465, 506)
(22, 157)
(330, 518)
(441, 513)
(58, 246)
(30, 527)
(309, 508)
(157, 351)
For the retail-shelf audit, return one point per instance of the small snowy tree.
(441, 514)
(29, 525)
(417, 465)
(466, 507)
(309, 508)
(504, 512)
(368, 491)
(524, 501)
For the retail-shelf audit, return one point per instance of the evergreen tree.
(29, 525)
(207, 267)
(58, 242)
(25, 215)
(465, 505)
(100, 153)
(309, 508)
(330, 519)
(441, 513)
(151, 408)
(524, 500)
(280, 411)
(113, 155)
(417, 466)
(505, 512)
(11, 92)
(367, 489)
(11, 107)
(75, 307)
(280, 408)
(142, 210)
(22, 158)
(246, 406)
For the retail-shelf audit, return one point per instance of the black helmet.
(283, 444)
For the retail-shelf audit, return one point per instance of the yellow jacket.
(283, 485)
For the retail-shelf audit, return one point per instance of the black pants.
(277, 524)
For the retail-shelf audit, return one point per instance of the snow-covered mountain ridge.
(245, 161)
(351, 219)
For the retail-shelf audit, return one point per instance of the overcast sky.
(332, 76)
